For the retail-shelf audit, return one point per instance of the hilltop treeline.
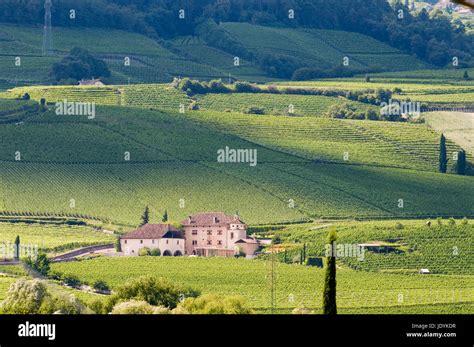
(432, 38)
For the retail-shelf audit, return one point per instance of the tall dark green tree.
(17, 247)
(165, 216)
(329, 293)
(145, 216)
(461, 163)
(443, 158)
(466, 75)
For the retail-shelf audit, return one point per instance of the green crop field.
(48, 238)
(322, 48)
(173, 157)
(155, 62)
(297, 105)
(457, 126)
(358, 292)
(381, 143)
(411, 245)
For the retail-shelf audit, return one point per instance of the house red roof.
(211, 218)
(154, 231)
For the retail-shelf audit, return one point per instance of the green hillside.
(173, 157)
(406, 246)
(322, 48)
(457, 126)
(154, 62)
(358, 292)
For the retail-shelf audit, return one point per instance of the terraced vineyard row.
(406, 246)
(381, 143)
(295, 285)
(50, 237)
(275, 104)
(322, 48)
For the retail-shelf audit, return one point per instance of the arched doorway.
(167, 253)
(178, 254)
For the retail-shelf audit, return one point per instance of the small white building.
(169, 240)
(91, 83)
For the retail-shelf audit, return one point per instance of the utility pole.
(273, 281)
(47, 29)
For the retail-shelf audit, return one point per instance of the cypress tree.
(461, 163)
(165, 216)
(17, 247)
(145, 216)
(329, 293)
(466, 75)
(443, 159)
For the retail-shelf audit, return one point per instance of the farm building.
(203, 234)
(166, 238)
(91, 83)
(217, 234)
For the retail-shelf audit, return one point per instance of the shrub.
(245, 87)
(213, 304)
(439, 221)
(344, 111)
(70, 280)
(101, 286)
(371, 115)
(255, 110)
(32, 297)
(133, 307)
(464, 221)
(97, 306)
(155, 252)
(451, 221)
(39, 264)
(217, 86)
(399, 226)
(144, 251)
(153, 290)
(24, 297)
(61, 304)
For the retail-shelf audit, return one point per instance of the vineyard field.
(295, 285)
(49, 237)
(276, 104)
(458, 127)
(410, 245)
(171, 154)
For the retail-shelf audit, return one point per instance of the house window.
(125, 242)
(195, 242)
(152, 241)
(167, 241)
(177, 242)
(219, 242)
(219, 232)
(231, 235)
(141, 241)
(195, 232)
(209, 242)
(209, 232)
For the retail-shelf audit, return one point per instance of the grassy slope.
(357, 291)
(322, 48)
(153, 63)
(173, 157)
(458, 127)
(445, 249)
(47, 237)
